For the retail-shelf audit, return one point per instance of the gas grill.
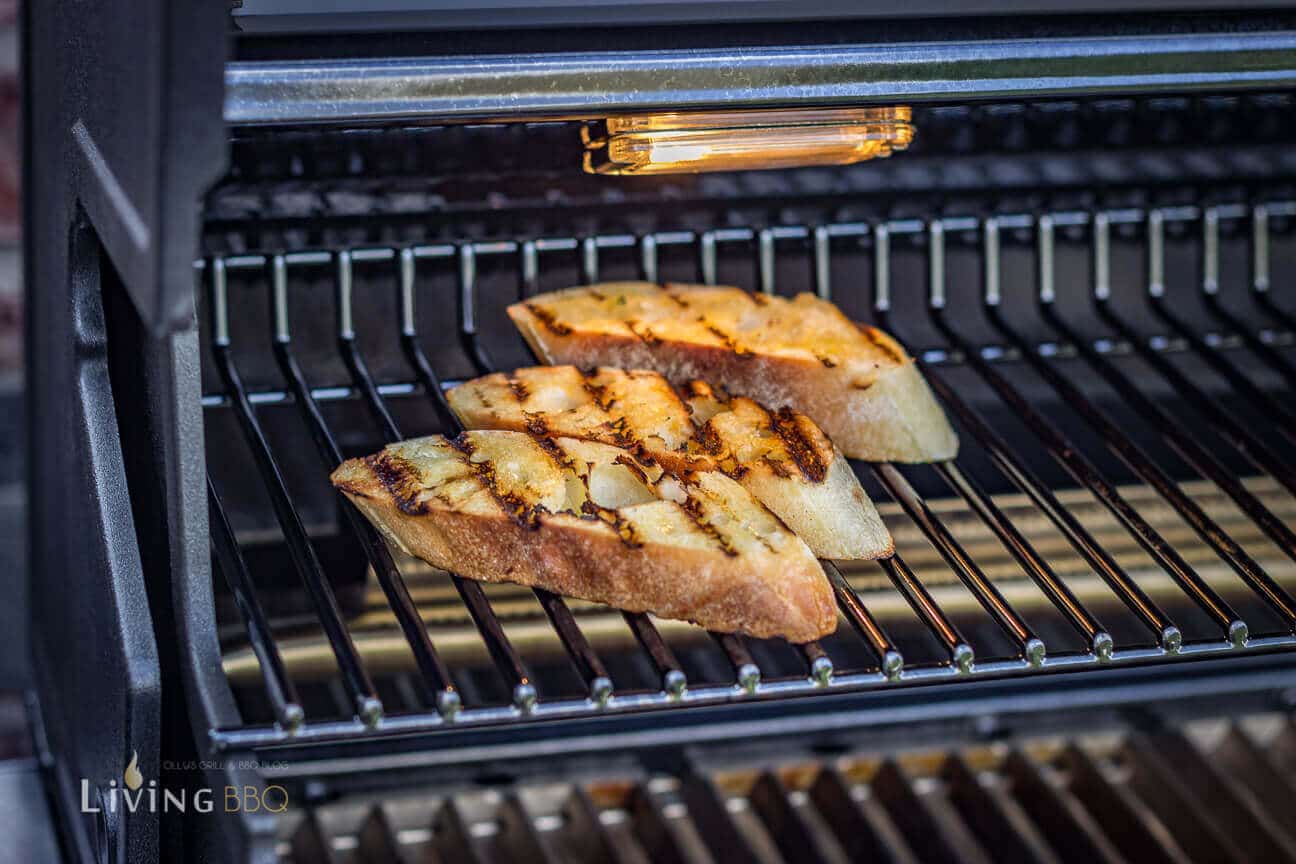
(1082, 646)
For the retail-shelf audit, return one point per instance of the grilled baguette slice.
(781, 457)
(856, 382)
(589, 520)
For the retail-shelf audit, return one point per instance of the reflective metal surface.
(524, 86)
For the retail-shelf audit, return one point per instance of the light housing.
(743, 140)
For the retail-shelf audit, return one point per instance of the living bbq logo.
(134, 794)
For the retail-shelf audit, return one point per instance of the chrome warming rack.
(1165, 639)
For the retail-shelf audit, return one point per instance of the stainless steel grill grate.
(1164, 638)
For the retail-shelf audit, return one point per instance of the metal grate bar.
(747, 673)
(1192, 452)
(413, 348)
(1168, 634)
(1260, 281)
(1141, 464)
(1211, 296)
(279, 687)
(663, 659)
(1098, 639)
(1076, 534)
(1283, 419)
(506, 658)
(436, 675)
(890, 661)
(359, 686)
(1088, 475)
(961, 563)
(1231, 429)
(1077, 465)
(819, 665)
(588, 665)
(468, 334)
(961, 653)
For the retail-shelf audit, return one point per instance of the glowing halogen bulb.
(674, 151)
(737, 141)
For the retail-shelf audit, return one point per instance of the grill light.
(743, 140)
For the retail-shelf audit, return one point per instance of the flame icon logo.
(133, 778)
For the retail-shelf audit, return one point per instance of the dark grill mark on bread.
(624, 530)
(709, 440)
(642, 331)
(678, 300)
(728, 341)
(519, 389)
(880, 342)
(597, 393)
(548, 319)
(759, 299)
(778, 466)
(621, 436)
(828, 362)
(634, 468)
(698, 389)
(400, 479)
(693, 508)
(521, 511)
(597, 295)
(785, 423)
(551, 449)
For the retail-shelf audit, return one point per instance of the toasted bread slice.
(856, 382)
(592, 521)
(781, 457)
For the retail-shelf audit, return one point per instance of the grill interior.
(1119, 374)
(1204, 790)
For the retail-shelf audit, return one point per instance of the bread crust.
(780, 594)
(867, 394)
(782, 457)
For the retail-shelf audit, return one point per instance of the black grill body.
(1085, 251)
